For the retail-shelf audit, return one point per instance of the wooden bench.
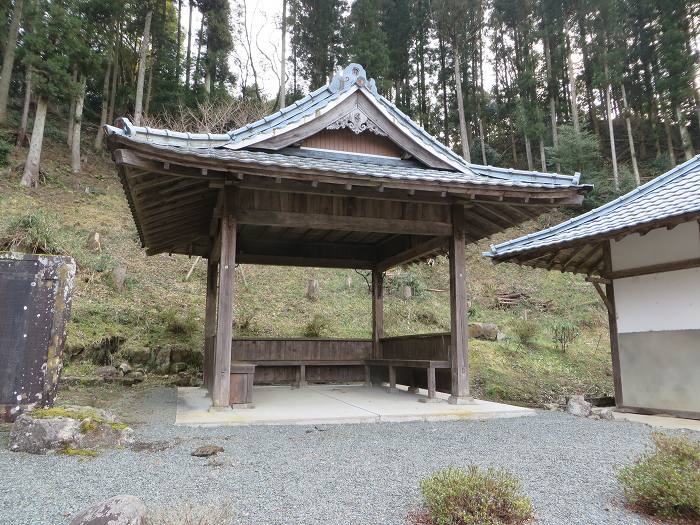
(429, 365)
(303, 363)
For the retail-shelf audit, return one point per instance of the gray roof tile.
(672, 194)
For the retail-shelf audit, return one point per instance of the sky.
(264, 34)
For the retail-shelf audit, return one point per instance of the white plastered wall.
(658, 320)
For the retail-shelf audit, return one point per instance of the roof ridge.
(644, 189)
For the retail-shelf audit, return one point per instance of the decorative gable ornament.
(357, 122)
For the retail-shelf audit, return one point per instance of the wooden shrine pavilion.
(339, 179)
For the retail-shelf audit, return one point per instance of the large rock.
(484, 331)
(44, 430)
(162, 360)
(139, 356)
(119, 510)
(578, 406)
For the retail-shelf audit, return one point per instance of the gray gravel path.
(342, 474)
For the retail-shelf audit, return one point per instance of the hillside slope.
(159, 308)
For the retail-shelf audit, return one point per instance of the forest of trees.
(606, 87)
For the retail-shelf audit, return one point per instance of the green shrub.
(316, 327)
(33, 232)
(563, 334)
(472, 497)
(525, 330)
(666, 481)
(397, 282)
(177, 324)
(5, 150)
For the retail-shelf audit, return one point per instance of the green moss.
(80, 452)
(118, 426)
(46, 413)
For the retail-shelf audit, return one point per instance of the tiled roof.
(673, 194)
(400, 170)
(343, 84)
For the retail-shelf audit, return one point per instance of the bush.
(33, 232)
(316, 327)
(472, 497)
(525, 330)
(177, 324)
(666, 481)
(397, 282)
(563, 334)
(5, 150)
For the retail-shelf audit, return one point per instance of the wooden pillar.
(377, 312)
(459, 349)
(224, 326)
(612, 322)
(210, 322)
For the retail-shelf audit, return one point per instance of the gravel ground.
(339, 474)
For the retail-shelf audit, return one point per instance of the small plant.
(316, 327)
(177, 324)
(525, 330)
(5, 150)
(666, 481)
(563, 334)
(472, 497)
(33, 232)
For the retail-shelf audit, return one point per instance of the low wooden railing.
(420, 346)
(300, 349)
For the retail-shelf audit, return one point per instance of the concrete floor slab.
(660, 421)
(328, 404)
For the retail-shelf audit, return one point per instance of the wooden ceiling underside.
(177, 209)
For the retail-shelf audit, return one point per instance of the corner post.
(377, 312)
(459, 345)
(224, 327)
(612, 321)
(210, 321)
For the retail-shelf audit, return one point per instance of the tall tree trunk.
(105, 108)
(443, 82)
(149, 89)
(188, 59)
(572, 86)
(685, 136)
(630, 137)
(143, 53)
(552, 97)
(460, 105)
(587, 72)
(199, 54)
(669, 143)
(513, 145)
(482, 141)
(179, 41)
(30, 177)
(283, 58)
(115, 75)
(543, 156)
(8, 58)
(78, 120)
(71, 108)
(22, 133)
(611, 130)
(528, 153)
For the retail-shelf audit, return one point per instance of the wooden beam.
(418, 251)
(342, 222)
(224, 326)
(377, 312)
(655, 268)
(307, 262)
(612, 321)
(459, 344)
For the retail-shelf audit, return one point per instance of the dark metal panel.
(35, 297)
